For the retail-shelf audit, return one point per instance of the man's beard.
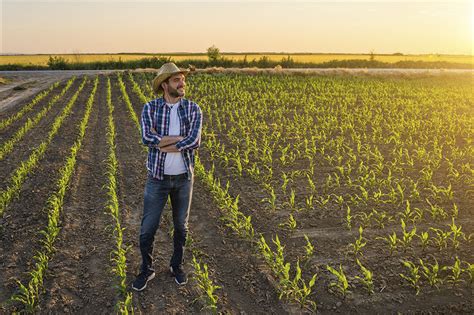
(174, 92)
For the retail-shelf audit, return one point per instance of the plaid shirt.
(156, 115)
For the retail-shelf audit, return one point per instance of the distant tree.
(213, 53)
(57, 63)
(372, 55)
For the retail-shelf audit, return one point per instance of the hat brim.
(162, 77)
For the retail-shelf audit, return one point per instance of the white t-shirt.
(174, 163)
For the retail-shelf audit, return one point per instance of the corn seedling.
(348, 219)
(206, 285)
(342, 285)
(424, 239)
(431, 273)
(456, 270)
(407, 236)
(367, 279)
(359, 243)
(392, 241)
(413, 277)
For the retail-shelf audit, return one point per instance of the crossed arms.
(167, 143)
(151, 138)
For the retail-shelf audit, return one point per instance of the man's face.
(175, 85)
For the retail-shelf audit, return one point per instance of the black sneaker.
(140, 282)
(179, 275)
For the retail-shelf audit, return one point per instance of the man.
(171, 128)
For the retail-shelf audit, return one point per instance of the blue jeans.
(180, 191)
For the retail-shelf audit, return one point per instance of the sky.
(154, 26)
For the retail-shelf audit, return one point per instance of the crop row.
(29, 293)
(119, 253)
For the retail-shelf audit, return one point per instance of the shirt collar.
(161, 101)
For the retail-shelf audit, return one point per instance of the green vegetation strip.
(8, 121)
(119, 253)
(28, 294)
(7, 147)
(19, 175)
(128, 103)
(136, 88)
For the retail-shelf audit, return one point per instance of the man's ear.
(163, 85)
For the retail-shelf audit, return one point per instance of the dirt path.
(21, 85)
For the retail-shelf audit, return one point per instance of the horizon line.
(236, 53)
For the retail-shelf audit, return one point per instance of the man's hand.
(169, 148)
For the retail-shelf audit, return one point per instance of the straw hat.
(166, 71)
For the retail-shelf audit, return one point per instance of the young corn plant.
(441, 238)
(359, 243)
(365, 219)
(392, 241)
(437, 212)
(342, 285)
(456, 270)
(300, 291)
(424, 239)
(413, 277)
(309, 249)
(381, 218)
(456, 234)
(291, 203)
(410, 214)
(294, 289)
(407, 236)
(271, 200)
(367, 279)
(348, 219)
(470, 272)
(309, 202)
(206, 285)
(291, 223)
(431, 273)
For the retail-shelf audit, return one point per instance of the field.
(312, 58)
(313, 193)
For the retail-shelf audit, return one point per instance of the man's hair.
(167, 81)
